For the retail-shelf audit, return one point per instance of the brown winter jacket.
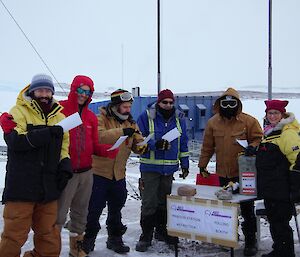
(110, 129)
(220, 137)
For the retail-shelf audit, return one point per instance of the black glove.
(184, 173)
(64, 173)
(162, 144)
(204, 172)
(57, 131)
(250, 150)
(128, 131)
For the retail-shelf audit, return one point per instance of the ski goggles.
(86, 92)
(126, 97)
(226, 103)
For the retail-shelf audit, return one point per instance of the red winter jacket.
(84, 138)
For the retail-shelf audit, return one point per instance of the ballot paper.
(118, 143)
(70, 122)
(171, 135)
(146, 140)
(243, 143)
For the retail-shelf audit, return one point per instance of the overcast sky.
(206, 44)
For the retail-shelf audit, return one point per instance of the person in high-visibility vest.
(158, 165)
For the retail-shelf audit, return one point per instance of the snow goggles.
(226, 103)
(126, 97)
(86, 92)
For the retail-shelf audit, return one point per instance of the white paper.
(70, 122)
(243, 143)
(118, 143)
(146, 140)
(171, 135)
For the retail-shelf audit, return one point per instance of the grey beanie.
(41, 81)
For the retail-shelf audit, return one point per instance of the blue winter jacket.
(165, 162)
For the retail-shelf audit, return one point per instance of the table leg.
(231, 252)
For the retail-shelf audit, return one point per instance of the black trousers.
(279, 213)
(247, 211)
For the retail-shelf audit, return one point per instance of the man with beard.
(158, 166)
(109, 185)
(221, 133)
(38, 168)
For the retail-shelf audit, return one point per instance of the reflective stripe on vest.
(152, 159)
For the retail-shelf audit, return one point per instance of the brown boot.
(76, 246)
(28, 254)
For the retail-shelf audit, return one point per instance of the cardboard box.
(204, 220)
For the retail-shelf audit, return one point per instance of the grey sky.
(206, 44)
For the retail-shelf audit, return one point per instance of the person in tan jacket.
(227, 125)
(109, 185)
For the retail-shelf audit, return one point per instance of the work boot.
(143, 243)
(270, 254)
(88, 244)
(76, 249)
(116, 244)
(250, 245)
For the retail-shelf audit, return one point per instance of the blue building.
(197, 110)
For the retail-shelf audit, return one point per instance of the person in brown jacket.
(109, 185)
(227, 125)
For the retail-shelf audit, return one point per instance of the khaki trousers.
(19, 217)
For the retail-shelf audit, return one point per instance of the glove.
(250, 150)
(142, 149)
(162, 144)
(56, 131)
(7, 123)
(101, 150)
(233, 186)
(128, 131)
(184, 173)
(204, 172)
(64, 173)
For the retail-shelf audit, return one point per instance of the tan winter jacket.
(110, 130)
(221, 134)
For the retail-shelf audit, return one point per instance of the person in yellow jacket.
(38, 169)
(222, 130)
(109, 185)
(278, 174)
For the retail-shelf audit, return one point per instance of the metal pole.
(158, 46)
(270, 53)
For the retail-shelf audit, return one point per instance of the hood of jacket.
(231, 92)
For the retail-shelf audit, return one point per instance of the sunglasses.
(86, 92)
(168, 102)
(232, 103)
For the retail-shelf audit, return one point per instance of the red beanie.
(276, 105)
(166, 93)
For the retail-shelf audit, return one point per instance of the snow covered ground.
(131, 214)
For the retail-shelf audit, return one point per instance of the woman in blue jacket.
(158, 165)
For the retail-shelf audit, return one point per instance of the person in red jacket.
(83, 144)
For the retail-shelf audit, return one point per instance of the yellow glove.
(204, 172)
(142, 148)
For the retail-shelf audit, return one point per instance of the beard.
(45, 103)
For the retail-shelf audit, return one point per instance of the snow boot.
(147, 224)
(76, 249)
(88, 244)
(28, 254)
(116, 244)
(250, 245)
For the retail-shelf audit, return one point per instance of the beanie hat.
(120, 96)
(81, 80)
(41, 81)
(276, 105)
(166, 93)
